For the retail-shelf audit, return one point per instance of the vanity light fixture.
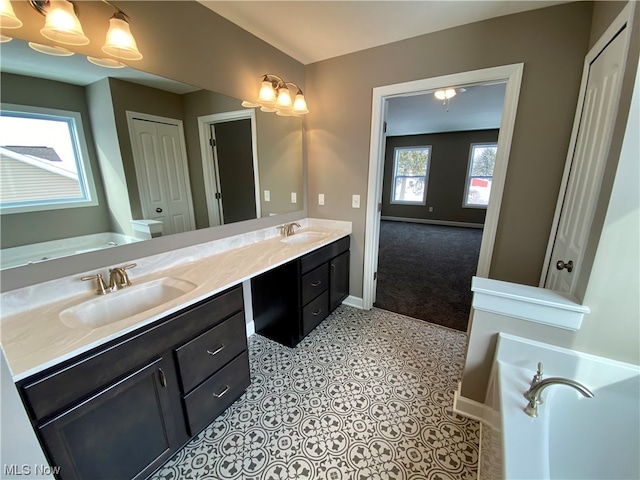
(275, 96)
(8, 19)
(62, 26)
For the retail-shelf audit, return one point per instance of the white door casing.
(162, 173)
(587, 156)
(512, 75)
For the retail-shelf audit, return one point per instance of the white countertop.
(34, 338)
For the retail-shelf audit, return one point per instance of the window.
(482, 159)
(410, 173)
(44, 163)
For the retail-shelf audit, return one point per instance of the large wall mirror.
(144, 157)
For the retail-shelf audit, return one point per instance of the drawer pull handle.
(225, 390)
(216, 351)
(315, 314)
(163, 378)
(316, 284)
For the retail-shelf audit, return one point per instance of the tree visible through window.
(482, 159)
(410, 173)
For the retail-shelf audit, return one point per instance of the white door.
(162, 173)
(594, 130)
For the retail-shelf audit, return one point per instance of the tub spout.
(535, 392)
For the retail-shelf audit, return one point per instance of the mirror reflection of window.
(42, 162)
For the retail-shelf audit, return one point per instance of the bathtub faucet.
(535, 392)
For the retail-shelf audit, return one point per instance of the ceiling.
(311, 31)
(478, 107)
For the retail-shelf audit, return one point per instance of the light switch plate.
(355, 201)
(267, 196)
(321, 199)
(294, 197)
(431, 209)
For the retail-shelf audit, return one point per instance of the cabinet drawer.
(206, 353)
(316, 311)
(324, 254)
(63, 385)
(211, 398)
(314, 283)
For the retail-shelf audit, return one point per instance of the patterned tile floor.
(367, 395)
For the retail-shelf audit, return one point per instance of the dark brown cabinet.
(121, 410)
(291, 300)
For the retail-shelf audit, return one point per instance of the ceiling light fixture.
(447, 94)
(63, 26)
(275, 96)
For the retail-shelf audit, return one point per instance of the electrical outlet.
(355, 201)
(321, 199)
(431, 209)
(294, 197)
(267, 196)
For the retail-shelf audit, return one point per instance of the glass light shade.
(267, 95)
(50, 50)
(300, 105)
(8, 18)
(120, 43)
(61, 24)
(268, 109)
(284, 99)
(445, 94)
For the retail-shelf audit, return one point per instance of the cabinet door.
(123, 432)
(339, 280)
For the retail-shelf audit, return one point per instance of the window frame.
(86, 179)
(396, 150)
(468, 177)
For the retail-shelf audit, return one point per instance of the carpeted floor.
(367, 395)
(424, 271)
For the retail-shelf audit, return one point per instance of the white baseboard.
(251, 328)
(433, 222)
(467, 407)
(352, 301)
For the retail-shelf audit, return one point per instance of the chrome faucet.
(288, 228)
(534, 393)
(118, 277)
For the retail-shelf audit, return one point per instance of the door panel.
(587, 166)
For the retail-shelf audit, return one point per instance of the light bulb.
(284, 99)
(61, 24)
(267, 94)
(300, 104)
(8, 17)
(120, 43)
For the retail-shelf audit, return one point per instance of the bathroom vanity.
(115, 384)
(122, 409)
(293, 299)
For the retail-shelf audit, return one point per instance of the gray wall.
(17, 228)
(552, 43)
(447, 176)
(201, 49)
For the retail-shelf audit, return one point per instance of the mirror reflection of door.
(160, 159)
(233, 170)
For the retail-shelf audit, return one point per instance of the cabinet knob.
(316, 284)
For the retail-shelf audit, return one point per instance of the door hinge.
(375, 275)
(380, 207)
(384, 127)
(212, 142)
(218, 195)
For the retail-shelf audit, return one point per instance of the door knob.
(561, 265)
(158, 210)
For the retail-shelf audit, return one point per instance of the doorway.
(230, 166)
(512, 76)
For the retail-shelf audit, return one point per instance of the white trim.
(512, 74)
(352, 301)
(622, 20)
(85, 174)
(468, 408)
(131, 115)
(534, 304)
(209, 160)
(433, 222)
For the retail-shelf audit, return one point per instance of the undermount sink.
(118, 305)
(305, 238)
